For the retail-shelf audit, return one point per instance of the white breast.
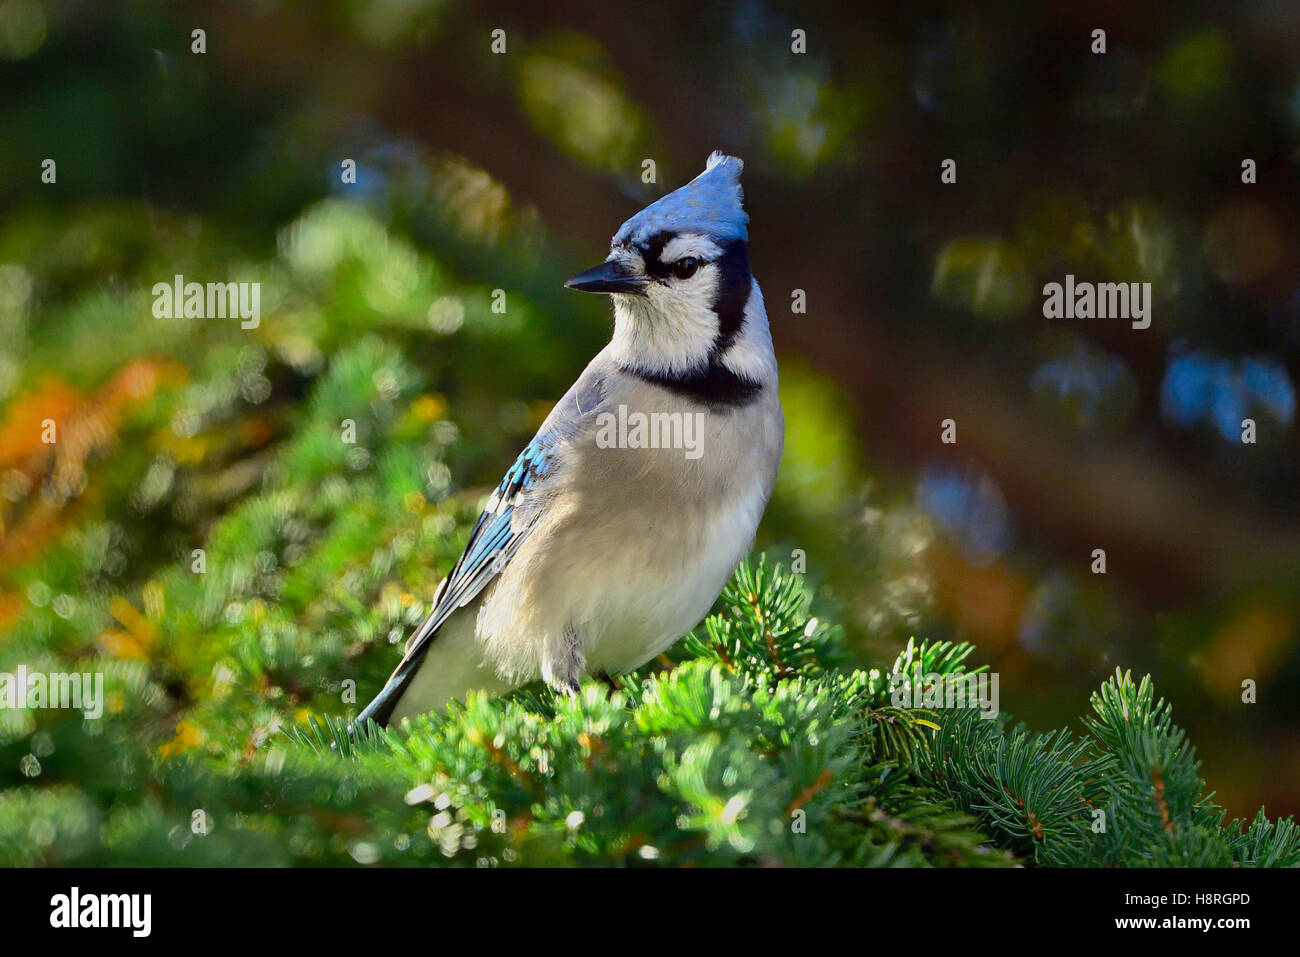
(662, 585)
(635, 545)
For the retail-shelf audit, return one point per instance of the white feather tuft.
(719, 158)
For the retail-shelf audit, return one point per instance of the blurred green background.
(479, 172)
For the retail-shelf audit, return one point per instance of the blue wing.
(496, 535)
(492, 543)
(505, 523)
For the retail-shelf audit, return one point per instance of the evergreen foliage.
(230, 676)
(746, 744)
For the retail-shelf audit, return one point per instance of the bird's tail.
(380, 710)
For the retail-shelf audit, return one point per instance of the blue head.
(709, 205)
(679, 274)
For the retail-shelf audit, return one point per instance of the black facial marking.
(651, 249)
(733, 281)
(733, 293)
(713, 383)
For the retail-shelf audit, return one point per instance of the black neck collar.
(713, 385)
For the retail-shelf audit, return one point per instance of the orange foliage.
(11, 606)
(133, 642)
(83, 424)
(188, 735)
(20, 434)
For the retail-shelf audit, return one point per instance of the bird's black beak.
(609, 276)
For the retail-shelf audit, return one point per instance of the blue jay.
(617, 527)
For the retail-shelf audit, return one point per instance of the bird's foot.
(564, 672)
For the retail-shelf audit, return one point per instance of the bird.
(622, 520)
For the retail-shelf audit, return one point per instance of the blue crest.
(709, 204)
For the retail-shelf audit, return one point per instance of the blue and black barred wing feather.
(511, 513)
(497, 535)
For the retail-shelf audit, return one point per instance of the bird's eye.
(685, 267)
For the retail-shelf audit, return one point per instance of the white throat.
(675, 333)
